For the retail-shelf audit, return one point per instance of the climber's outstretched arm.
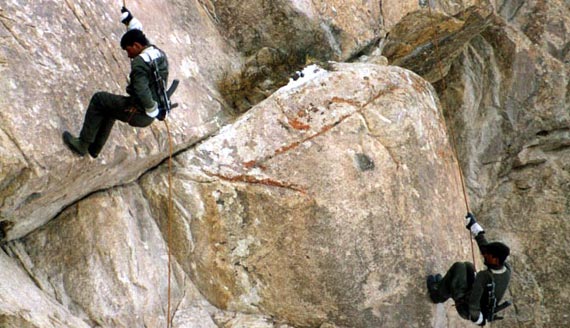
(129, 20)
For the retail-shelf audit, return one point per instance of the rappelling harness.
(491, 309)
(151, 55)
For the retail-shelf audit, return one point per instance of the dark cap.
(133, 36)
(497, 249)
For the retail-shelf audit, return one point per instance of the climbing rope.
(169, 220)
(451, 132)
(169, 217)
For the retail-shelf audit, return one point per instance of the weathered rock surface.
(106, 261)
(291, 210)
(507, 98)
(545, 23)
(427, 42)
(281, 37)
(322, 206)
(34, 309)
(53, 57)
(333, 29)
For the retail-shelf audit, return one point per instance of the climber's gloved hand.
(469, 220)
(129, 20)
(479, 321)
(152, 111)
(472, 225)
(161, 114)
(126, 16)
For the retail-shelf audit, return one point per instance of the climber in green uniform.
(139, 108)
(476, 295)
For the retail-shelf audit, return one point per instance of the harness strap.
(150, 54)
(492, 300)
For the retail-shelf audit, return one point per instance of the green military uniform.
(468, 289)
(105, 108)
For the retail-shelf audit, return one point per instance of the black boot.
(432, 282)
(94, 150)
(77, 145)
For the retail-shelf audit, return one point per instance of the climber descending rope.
(476, 294)
(165, 107)
(148, 99)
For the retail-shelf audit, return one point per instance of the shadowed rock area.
(320, 203)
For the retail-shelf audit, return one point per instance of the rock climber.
(139, 108)
(476, 294)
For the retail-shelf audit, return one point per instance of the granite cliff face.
(55, 55)
(321, 203)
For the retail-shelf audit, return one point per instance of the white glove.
(152, 111)
(129, 20)
(480, 320)
(472, 225)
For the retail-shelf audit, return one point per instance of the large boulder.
(328, 202)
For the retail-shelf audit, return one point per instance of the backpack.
(164, 94)
(491, 308)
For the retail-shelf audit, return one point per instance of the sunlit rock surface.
(324, 205)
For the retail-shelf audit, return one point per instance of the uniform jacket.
(479, 297)
(142, 86)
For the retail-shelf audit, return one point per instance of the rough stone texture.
(241, 320)
(281, 37)
(291, 210)
(34, 309)
(54, 55)
(334, 29)
(428, 42)
(545, 23)
(508, 101)
(394, 10)
(453, 7)
(287, 218)
(106, 261)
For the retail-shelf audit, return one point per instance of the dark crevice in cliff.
(6, 225)
(366, 50)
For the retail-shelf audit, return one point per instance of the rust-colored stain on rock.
(298, 125)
